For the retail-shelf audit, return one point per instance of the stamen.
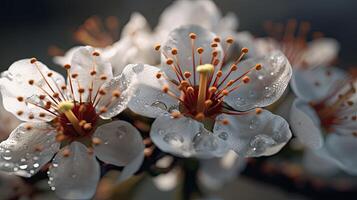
(66, 107)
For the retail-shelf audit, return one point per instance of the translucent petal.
(186, 137)
(122, 84)
(215, 172)
(74, 176)
(136, 24)
(317, 83)
(305, 124)
(317, 163)
(342, 149)
(321, 52)
(263, 46)
(29, 147)
(179, 39)
(184, 12)
(120, 143)
(253, 135)
(66, 58)
(131, 168)
(14, 83)
(83, 63)
(265, 86)
(148, 99)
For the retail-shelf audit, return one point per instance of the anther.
(158, 75)
(212, 90)
(225, 92)
(20, 99)
(87, 126)
(200, 50)
(31, 82)
(246, 79)
(81, 90)
(219, 73)
(354, 118)
(19, 113)
(187, 74)
(116, 93)
(214, 53)
(63, 87)
(42, 115)
(95, 53)
(102, 92)
(258, 67)
(33, 60)
(234, 67)
(48, 105)
(165, 88)
(258, 111)
(169, 61)
(49, 74)
(103, 77)
(244, 50)
(217, 39)
(193, 36)
(350, 103)
(157, 47)
(66, 153)
(215, 62)
(214, 44)
(31, 116)
(74, 76)
(92, 73)
(103, 110)
(200, 116)
(174, 51)
(28, 127)
(190, 89)
(208, 103)
(225, 121)
(176, 114)
(42, 97)
(230, 83)
(96, 141)
(55, 95)
(229, 40)
(67, 66)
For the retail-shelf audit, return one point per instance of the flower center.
(203, 99)
(336, 109)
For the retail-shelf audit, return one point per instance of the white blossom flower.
(323, 117)
(292, 41)
(203, 109)
(67, 122)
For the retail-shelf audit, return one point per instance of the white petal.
(264, 46)
(14, 83)
(227, 24)
(179, 38)
(305, 124)
(253, 135)
(8, 122)
(342, 149)
(214, 173)
(321, 52)
(265, 86)
(186, 137)
(148, 99)
(167, 181)
(131, 168)
(184, 12)
(75, 176)
(29, 147)
(66, 59)
(120, 143)
(317, 83)
(317, 163)
(122, 84)
(136, 24)
(83, 63)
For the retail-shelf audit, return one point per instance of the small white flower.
(324, 115)
(292, 41)
(64, 121)
(204, 109)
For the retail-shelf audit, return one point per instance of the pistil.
(204, 71)
(66, 107)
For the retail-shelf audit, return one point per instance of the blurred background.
(29, 28)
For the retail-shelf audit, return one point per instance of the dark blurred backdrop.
(28, 28)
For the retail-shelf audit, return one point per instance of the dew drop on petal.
(174, 139)
(260, 143)
(223, 135)
(159, 104)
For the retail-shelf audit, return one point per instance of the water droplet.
(240, 101)
(35, 165)
(223, 135)
(22, 160)
(159, 104)
(54, 164)
(260, 143)
(6, 157)
(174, 139)
(53, 188)
(205, 142)
(253, 124)
(23, 166)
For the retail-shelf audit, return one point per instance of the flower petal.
(317, 83)
(131, 168)
(179, 39)
(253, 135)
(66, 58)
(83, 63)
(136, 24)
(184, 12)
(186, 137)
(29, 147)
(14, 83)
(317, 163)
(321, 52)
(74, 176)
(215, 172)
(341, 149)
(305, 124)
(119, 91)
(120, 143)
(265, 86)
(148, 99)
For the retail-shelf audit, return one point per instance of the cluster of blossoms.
(207, 95)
